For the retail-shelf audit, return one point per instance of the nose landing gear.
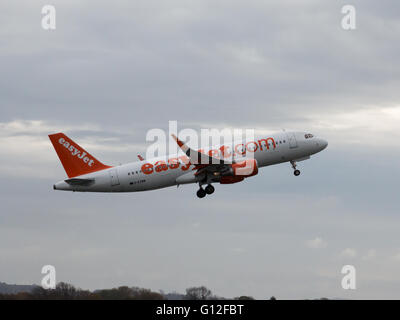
(294, 165)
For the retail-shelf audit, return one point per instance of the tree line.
(66, 291)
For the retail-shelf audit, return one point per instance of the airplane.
(224, 164)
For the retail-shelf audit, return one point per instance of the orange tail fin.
(75, 160)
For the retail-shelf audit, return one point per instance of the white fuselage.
(282, 147)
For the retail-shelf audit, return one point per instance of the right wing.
(199, 158)
(218, 170)
(205, 164)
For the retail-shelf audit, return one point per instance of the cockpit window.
(308, 135)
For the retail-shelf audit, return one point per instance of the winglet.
(180, 143)
(140, 157)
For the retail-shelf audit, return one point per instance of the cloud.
(316, 243)
(377, 126)
(179, 57)
(237, 250)
(41, 127)
(25, 144)
(396, 256)
(348, 253)
(243, 54)
(370, 255)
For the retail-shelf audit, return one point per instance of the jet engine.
(240, 170)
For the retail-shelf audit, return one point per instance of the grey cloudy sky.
(113, 70)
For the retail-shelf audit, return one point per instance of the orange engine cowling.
(246, 168)
(240, 170)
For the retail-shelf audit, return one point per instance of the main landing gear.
(201, 193)
(294, 165)
(210, 189)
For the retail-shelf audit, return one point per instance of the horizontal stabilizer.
(79, 182)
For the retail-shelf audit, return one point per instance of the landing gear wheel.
(294, 165)
(201, 193)
(209, 189)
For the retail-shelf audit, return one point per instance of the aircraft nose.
(322, 144)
